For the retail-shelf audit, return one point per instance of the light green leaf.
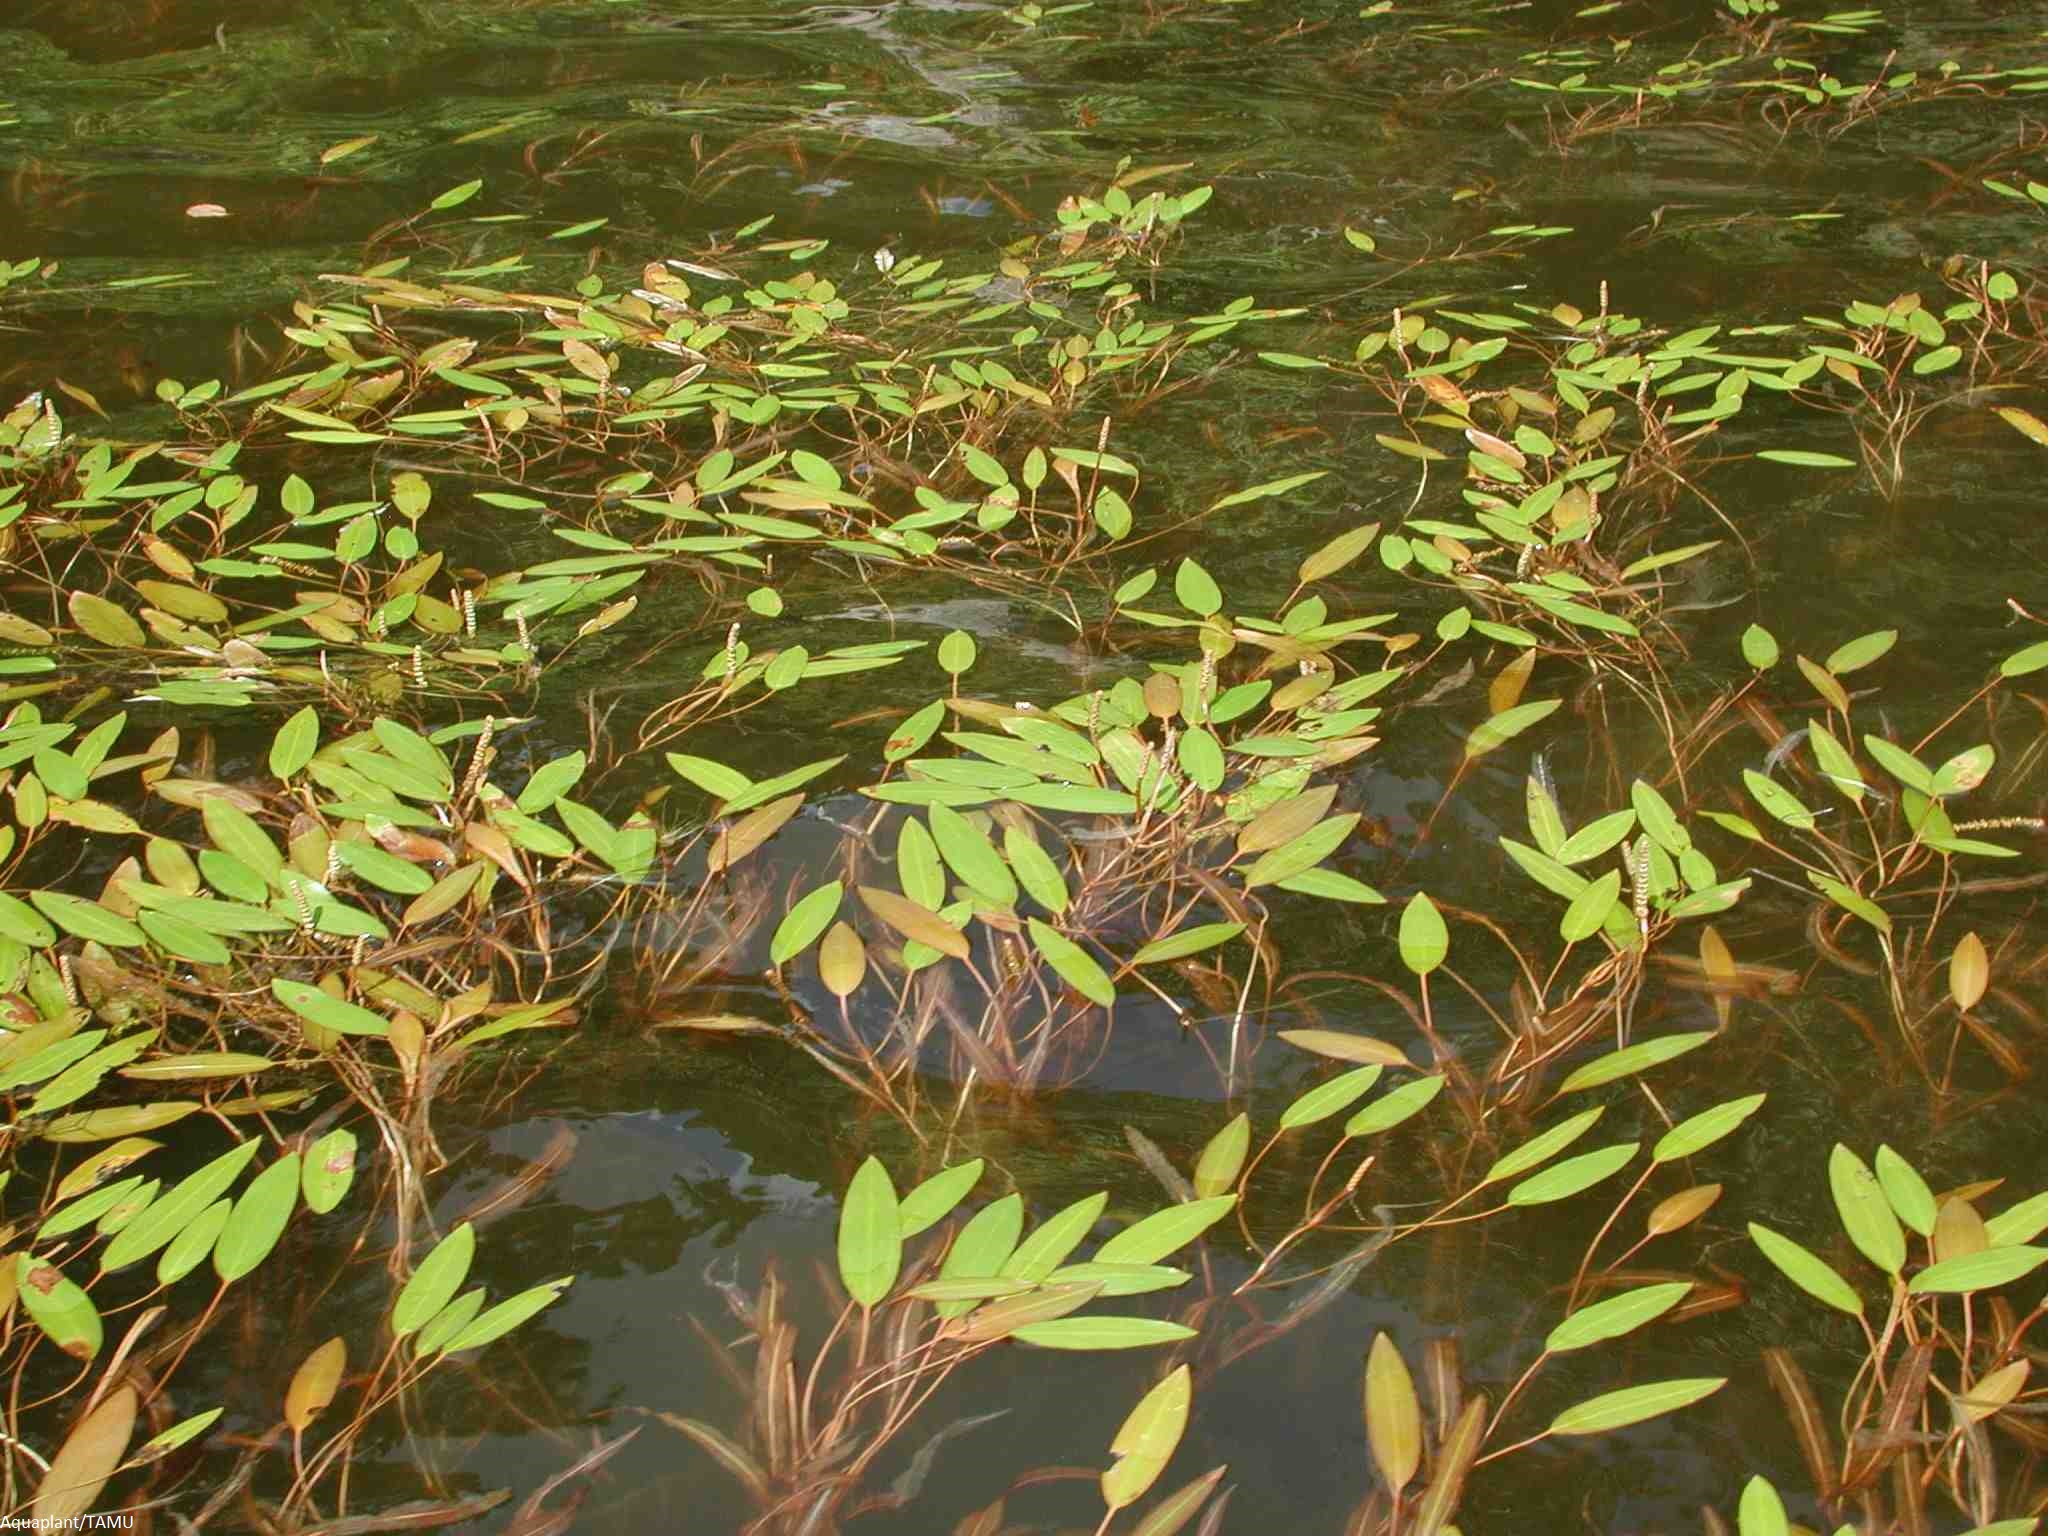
(1632, 1405)
(870, 1235)
(1702, 1130)
(1573, 1175)
(1985, 1270)
(1633, 1059)
(1164, 1232)
(1805, 1270)
(1075, 965)
(1617, 1315)
(1390, 1109)
(1424, 939)
(438, 1278)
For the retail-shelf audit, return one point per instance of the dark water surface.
(952, 129)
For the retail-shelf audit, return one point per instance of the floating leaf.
(1196, 589)
(915, 922)
(1866, 1214)
(1147, 1440)
(1541, 1148)
(314, 1384)
(1589, 910)
(1982, 1271)
(1702, 1130)
(1164, 1232)
(171, 1212)
(1861, 651)
(1187, 941)
(328, 1170)
(1339, 1045)
(1330, 1098)
(258, 1220)
(438, 1278)
(967, 849)
(1806, 1271)
(107, 622)
(933, 1200)
(842, 961)
(805, 922)
(58, 1306)
(1338, 553)
(293, 745)
(1502, 728)
(1222, 1157)
(1572, 1176)
(870, 1235)
(1075, 965)
(956, 652)
(1055, 1238)
(1041, 877)
(1424, 940)
(317, 1007)
(1632, 1405)
(1390, 1109)
(1393, 1415)
(84, 1462)
(1761, 1512)
(1617, 1315)
(1802, 459)
(1633, 1059)
(508, 1315)
(1101, 1333)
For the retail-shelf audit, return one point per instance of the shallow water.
(950, 129)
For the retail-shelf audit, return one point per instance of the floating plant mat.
(1023, 768)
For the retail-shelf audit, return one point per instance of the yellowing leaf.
(85, 1461)
(314, 1384)
(1393, 1415)
(1147, 1440)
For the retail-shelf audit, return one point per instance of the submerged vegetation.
(1291, 779)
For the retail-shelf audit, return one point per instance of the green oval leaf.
(1806, 1270)
(1101, 1333)
(295, 742)
(1573, 1175)
(1541, 1148)
(1502, 728)
(1330, 1098)
(1704, 1129)
(1164, 1232)
(1196, 589)
(59, 1306)
(1075, 965)
(328, 1171)
(258, 1220)
(189, 1249)
(1632, 1059)
(933, 1200)
(1866, 1215)
(1424, 940)
(1390, 1109)
(805, 923)
(870, 1235)
(439, 1277)
(311, 1004)
(1984, 1270)
(1632, 1405)
(508, 1315)
(1616, 1316)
